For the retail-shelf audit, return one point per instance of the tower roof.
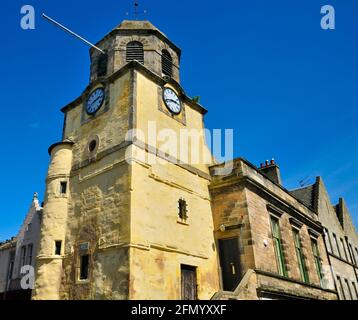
(137, 25)
(140, 27)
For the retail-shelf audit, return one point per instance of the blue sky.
(264, 68)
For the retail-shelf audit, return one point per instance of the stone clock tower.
(126, 217)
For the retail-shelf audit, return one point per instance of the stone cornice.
(147, 148)
(249, 164)
(289, 208)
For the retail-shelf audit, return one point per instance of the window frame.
(29, 254)
(317, 260)
(183, 210)
(277, 241)
(102, 65)
(337, 244)
(300, 257)
(23, 256)
(58, 247)
(80, 272)
(63, 188)
(349, 288)
(343, 294)
(355, 289)
(167, 63)
(327, 236)
(135, 51)
(344, 249)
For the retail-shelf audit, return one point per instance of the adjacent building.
(340, 236)
(19, 252)
(271, 244)
(7, 261)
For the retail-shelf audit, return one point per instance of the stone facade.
(340, 236)
(120, 207)
(243, 203)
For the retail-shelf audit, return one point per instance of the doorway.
(230, 263)
(188, 283)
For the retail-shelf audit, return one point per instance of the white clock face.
(172, 101)
(95, 101)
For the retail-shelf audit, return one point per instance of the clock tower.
(127, 212)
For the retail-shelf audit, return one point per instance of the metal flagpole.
(72, 33)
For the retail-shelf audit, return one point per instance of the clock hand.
(173, 101)
(97, 99)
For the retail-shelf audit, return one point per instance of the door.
(230, 263)
(188, 283)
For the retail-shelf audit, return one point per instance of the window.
(350, 248)
(344, 249)
(102, 63)
(84, 266)
(23, 256)
(29, 227)
(355, 289)
(300, 257)
(340, 288)
(337, 245)
(328, 239)
(92, 146)
(183, 210)
(276, 234)
(317, 260)
(349, 289)
(29, 254)
(58, 248)
(135, 52)
(356, 254)
(63, 187)
(11, 265)
(167, 63)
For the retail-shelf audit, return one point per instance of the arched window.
(135, 52)
(167, 63)
(102, 65)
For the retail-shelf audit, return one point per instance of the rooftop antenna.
(305, 182)
(71, 33)
(136, 12)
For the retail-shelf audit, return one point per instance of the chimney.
(271, 170)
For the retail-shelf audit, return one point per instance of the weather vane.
(136, 12)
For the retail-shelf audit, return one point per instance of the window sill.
(182, 222)
(62, 196)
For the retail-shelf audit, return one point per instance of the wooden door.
(188, 283)
(230, 263)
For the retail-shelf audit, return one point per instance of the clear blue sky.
(263, 68)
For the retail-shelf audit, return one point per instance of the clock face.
(95, 101)
(172, 101)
